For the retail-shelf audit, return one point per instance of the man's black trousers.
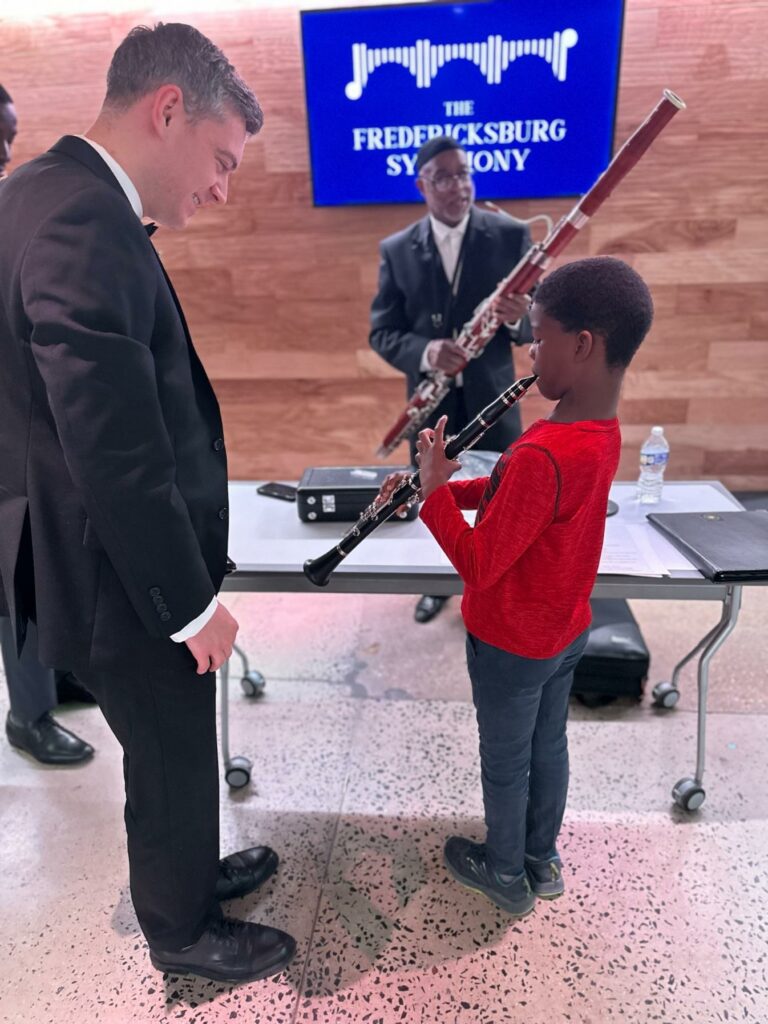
(165, 721)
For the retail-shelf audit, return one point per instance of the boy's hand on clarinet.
(434, 469)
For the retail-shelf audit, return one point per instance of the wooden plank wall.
(277, 293)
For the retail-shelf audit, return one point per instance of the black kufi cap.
(434, 146)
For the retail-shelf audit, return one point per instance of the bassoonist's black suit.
(414, 306)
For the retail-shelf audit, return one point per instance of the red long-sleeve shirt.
(530, 561)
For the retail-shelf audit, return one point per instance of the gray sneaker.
(545, 877)
(466, 862)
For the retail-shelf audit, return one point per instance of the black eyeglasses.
(442, 182)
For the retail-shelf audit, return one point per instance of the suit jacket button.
(154, 591)
(223, 512)
(164, 616)
(218, 444)
(162, 607)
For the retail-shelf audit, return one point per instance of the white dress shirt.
(132, 194)
(125, 182)
(448, 241)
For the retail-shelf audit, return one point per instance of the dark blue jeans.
(522, 711)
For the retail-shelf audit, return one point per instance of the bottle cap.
(657, 430)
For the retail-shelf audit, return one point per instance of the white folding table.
(269, 544)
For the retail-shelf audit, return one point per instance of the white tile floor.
(365, 754)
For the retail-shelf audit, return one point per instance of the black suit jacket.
(413, 306)
(113, 478)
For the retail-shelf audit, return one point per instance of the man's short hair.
(433, 146)
(603, 295)
(4, 97)
(176, 54)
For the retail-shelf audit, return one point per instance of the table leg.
(699, 647)
(252, 681)
(689, 792)
(237, 770)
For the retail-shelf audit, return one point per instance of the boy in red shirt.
(529, 565)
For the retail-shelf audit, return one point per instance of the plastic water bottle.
(654, 456)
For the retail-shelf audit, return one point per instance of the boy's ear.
(585, 344)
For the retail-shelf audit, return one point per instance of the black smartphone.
(274, 490)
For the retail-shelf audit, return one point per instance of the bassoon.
(318, 570)
(485, 322)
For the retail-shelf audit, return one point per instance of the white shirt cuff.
(194, 627)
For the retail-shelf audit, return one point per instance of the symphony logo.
(493, 56)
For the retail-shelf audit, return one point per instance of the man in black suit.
(113, 476)
(32, 688)
(8, 127)
(432, 276)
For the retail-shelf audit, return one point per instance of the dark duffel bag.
(615, 661)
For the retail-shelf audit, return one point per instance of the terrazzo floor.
(365, 755)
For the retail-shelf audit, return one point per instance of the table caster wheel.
(688, 794)
(665, 695)
(253, 684)
(238, 773)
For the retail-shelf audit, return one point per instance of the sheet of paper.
(676, 497)
(628, 552)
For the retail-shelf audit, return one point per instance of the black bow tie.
(150, 229)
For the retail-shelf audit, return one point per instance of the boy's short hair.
(603, 295)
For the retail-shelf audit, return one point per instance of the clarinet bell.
(318, 570)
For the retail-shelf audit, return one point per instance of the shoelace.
(226, 930)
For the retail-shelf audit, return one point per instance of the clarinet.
(318, 570)
(484, 323)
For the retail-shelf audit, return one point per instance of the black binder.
(726, 547)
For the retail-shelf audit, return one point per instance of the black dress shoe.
(69, 689)
(230, 950)
(242, 872)
(427, 607)
(47, 741)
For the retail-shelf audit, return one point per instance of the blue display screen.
(528, 88)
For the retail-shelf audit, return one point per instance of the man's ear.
(167, 105)
(420, 187)
(585, 344)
